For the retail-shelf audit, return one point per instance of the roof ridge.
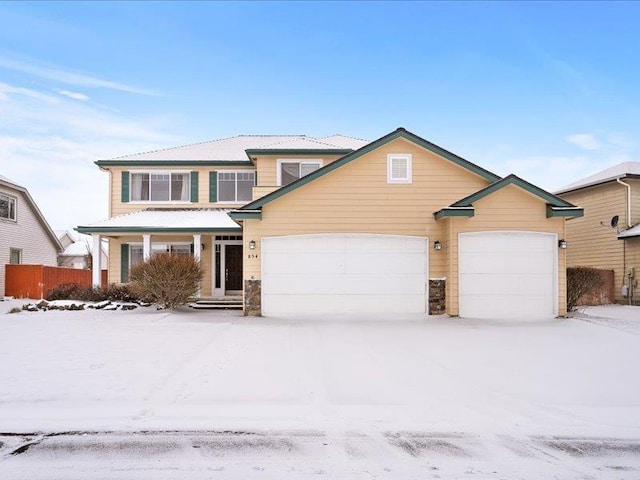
(345, 136)
(307, 139)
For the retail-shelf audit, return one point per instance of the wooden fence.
(35, 281)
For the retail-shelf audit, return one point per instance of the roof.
(254, 206)
(631, 232)
(620, 170)
(233, 149)
(166, 220)
(4, 181)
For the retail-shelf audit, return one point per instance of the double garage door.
(501, 274)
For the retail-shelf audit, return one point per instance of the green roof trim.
(108, 230)
(564, 211)
(239, 215)
(551, 199)
(454, 212)
(174, 163)
(299, 151)
(399, 133)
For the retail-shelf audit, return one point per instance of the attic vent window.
(399, 168)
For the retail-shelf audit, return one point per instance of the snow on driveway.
(401, 386)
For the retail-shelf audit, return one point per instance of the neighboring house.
(608, 235)
(303, 225)
(25, 235)
(77, 250)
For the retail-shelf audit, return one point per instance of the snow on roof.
(617, 171)
(170, 219)
(301, 143)
(233, 148)
(78, 249)
(631, 232)
(7, 180)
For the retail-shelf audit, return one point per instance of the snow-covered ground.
(223, 396)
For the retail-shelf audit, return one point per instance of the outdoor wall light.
(562, 244)
(252, 245)
(437, 245)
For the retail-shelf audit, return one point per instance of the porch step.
(226, 303)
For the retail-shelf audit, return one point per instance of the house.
(299, 224)
(25, 235)
(608, 235)
(76, 251)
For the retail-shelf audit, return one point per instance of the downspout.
(624, 242)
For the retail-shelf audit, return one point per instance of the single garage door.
(343, 274)
(508, 275)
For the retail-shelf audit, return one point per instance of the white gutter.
(628, 201)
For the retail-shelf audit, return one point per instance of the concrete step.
(226, 303)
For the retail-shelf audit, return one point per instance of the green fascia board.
(299, 151)
(399, 133)
(246, 215)
(564, 212)
(174, 163)
(454, 212)
(552, 199)
(110, 230)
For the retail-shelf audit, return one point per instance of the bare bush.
(581, 281)
(167, 280)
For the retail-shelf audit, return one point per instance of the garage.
(344, 274)
(508, 275)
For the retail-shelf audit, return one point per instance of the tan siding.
(508, 209)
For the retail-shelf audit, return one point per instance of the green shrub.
(167, 280)
(15, 310)
(581, 281)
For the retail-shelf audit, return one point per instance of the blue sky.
(548, 91)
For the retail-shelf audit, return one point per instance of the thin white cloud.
(6, 89)
(59, 74)
(75, 95)
(586, 141)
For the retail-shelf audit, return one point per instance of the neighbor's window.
(160, 187)
(290, 171)
(398, 168)
(7, 207)
(15, 256)
(236, 186)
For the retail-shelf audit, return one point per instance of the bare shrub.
(167, 280)
(581, 281)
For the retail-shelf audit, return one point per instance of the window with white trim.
(136, 251)
(15, 256)
(160, 187)
(291, 170)
(7, 207)
(236, 186)
(399, 168)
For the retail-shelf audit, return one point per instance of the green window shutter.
(213, 186)
(125, 187)
(194, 186)
(124, 263)
(255, 178)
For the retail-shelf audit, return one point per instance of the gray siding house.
(25, 235)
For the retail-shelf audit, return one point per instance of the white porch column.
(146, 247)
(96, 257)
(197, 246)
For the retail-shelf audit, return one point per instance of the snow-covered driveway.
(403, 378)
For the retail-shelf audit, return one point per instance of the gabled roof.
(621, 170)
(398, 133)
(165, 220)
(233, 150)
(5, 182)
(556, 206)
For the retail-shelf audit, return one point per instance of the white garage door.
(508, 275)
(343, 274)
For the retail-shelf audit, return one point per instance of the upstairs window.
(236, 186)
(399, 168)
(160, 187)
(291, 170)
(7, 207)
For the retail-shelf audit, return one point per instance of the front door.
(233, 267)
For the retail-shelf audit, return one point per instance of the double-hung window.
(136, 253)
(7, 207)
(398, 168)
(160, 187)
(236, 186)
(291, 170)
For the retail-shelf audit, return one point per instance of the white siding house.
(25, 235)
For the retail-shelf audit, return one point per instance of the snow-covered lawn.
(378, 398)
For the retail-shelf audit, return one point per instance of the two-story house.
(304, 225)
(608, 235)
(25, 235)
